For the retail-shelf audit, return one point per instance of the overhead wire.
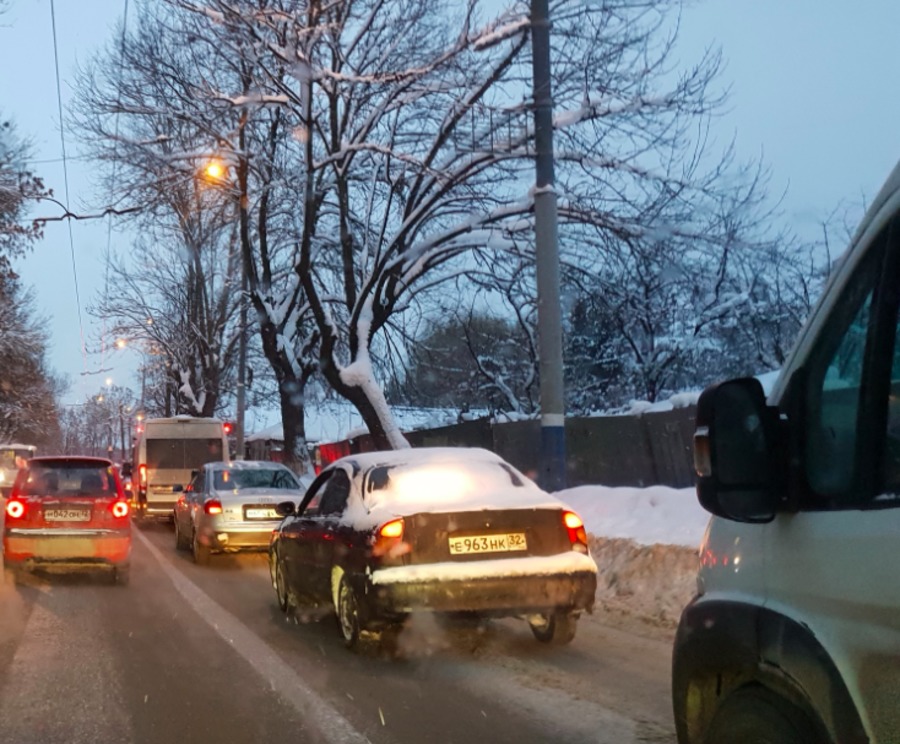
(62, 137)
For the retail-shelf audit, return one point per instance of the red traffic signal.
(229, 427)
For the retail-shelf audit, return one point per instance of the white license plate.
(501, 543)
(67, 515)
(261, 514)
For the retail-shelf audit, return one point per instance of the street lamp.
(215, 171)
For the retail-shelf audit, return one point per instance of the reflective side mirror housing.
(740, 470)
(285, 509)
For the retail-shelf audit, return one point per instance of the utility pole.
(242, 369)
(552, 465)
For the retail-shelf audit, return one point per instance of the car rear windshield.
(235, 480)
(76, 479)
(182, 454)
(440, 481)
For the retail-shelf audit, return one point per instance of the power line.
(62, 137)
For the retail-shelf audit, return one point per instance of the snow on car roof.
(246, 465)
(424, 455)
(439, 480)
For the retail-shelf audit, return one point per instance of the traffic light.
(229, 427)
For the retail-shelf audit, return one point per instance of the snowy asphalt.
(201, 654)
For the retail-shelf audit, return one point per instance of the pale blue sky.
(812, 91)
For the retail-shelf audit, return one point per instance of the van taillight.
(213, 506)
(142, 475)
(15, 509)
(577, 534)
(120, 509)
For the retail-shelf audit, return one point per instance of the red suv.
(68, 514)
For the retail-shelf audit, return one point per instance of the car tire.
(122, 575)
(754, 714)
(281, 591)
(348, 614)
(201, 552)
(181, 542)
(557, 628)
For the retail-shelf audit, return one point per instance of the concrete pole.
(242, 370)
(552, 465)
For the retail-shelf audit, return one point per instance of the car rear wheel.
(201, 552)
(181, 541)
(755, 714)
(281, 592)
(556, 628)
(348, 614)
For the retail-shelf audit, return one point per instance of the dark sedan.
(381, 535)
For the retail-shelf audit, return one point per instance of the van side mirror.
(736, 456)
(285, 509)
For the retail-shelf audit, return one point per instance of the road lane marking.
(323, 717)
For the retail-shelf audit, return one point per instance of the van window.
(182, 454)
(853, 387)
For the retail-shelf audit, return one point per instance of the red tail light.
(388, 543)
(15, 509)
(120, 509)
(142, 475)
(394, 528)
(577, 534)
(213, 506)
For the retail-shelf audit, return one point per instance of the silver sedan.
(229, 507)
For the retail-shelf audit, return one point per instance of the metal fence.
(627, 450)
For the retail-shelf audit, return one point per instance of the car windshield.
(68, 480)
(245, 478)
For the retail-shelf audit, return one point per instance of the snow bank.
(645, 543)
(668, 516)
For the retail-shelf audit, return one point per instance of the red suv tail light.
(15, 509)
(577, 534)
(213, 506)
(119, 509)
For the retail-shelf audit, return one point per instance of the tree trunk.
(296, 454)
(369, 400)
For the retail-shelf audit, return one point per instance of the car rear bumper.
(156, 509)
(518, 591)
(229, 538)
(70, 547)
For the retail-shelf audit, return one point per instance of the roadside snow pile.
(644, 541)
(670, 516)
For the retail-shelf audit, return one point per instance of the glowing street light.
(121, 343)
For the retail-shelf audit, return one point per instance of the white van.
(166, 456)
(794, 635)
